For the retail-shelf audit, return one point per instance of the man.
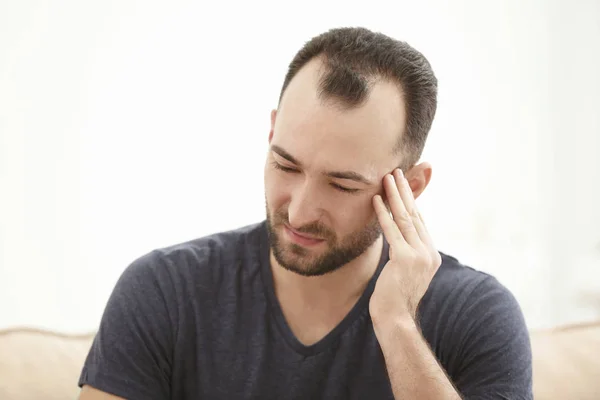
(340, 293)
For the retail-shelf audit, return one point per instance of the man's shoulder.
(477, 330)
(460, 289)
(453, 273)
(201, 255)
(222, 241)
(457, 285)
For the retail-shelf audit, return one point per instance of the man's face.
(323, 168)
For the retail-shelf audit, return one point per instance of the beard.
(340, 251)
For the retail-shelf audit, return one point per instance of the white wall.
(131, 125)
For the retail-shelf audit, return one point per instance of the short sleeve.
(494, 352)
(131, 355)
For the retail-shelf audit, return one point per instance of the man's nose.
(304, 207)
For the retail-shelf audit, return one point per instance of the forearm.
(413, 370)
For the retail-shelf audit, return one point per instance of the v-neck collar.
(284, 328)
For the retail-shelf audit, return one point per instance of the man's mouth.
(301, 238)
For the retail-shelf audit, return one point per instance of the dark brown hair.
(354, 59)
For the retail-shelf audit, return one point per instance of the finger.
(411, 207)
(390, 229)
(399, 212)
(423, 232)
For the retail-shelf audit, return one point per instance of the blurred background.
(127, 126)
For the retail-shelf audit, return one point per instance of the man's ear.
(418, 178)
(273, 117)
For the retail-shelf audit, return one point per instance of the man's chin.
(297, 254)
(300, 268)
(298, 260)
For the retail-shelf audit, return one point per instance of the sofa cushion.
(37, 364)
(566, 362)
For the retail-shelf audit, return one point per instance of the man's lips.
(304, 235)
(301, 238)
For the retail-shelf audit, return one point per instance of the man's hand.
(413, 258)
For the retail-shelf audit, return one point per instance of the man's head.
(354, 106)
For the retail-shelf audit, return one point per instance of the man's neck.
(337, 289)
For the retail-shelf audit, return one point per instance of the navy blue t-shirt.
(200, 320)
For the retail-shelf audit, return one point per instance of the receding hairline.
(326, 65)
(371, 78)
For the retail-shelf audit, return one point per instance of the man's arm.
(413, 370)
(486, 345)
(488, 338)
(130, 356)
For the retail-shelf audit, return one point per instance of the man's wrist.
(391, 326)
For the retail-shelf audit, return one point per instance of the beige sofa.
(38, 365)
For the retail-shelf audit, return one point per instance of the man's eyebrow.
(351, 175)
(354, 176)
(285, 154)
